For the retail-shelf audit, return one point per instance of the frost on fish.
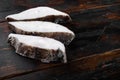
(40, 48)
(40, 14)
(44, 29)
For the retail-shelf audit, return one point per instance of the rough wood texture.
(93, 54)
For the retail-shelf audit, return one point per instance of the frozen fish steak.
(40, 48)
(44, 29)
(40, 14)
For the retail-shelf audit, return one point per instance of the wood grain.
(92, 63)
(93, 53)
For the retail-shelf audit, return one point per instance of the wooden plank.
(15, 59)
(62, 3)
(93, 67)
(108, 73)
(14, 64)
(90, 18)
(71, 7)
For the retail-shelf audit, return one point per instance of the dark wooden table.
(93, 55)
